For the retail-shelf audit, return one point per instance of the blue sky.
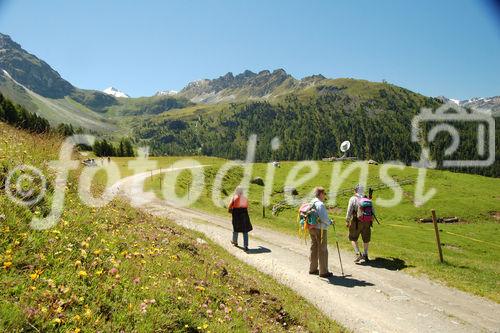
(435, 47)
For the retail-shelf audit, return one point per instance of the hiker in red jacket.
(238, 207)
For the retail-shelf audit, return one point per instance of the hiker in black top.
(238, 207)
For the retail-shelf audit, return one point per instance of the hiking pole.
(340, 259)
(338, 251)
(370, 196)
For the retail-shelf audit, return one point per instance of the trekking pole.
(370, 196)
(338, 250)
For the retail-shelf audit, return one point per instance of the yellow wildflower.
(7, 264)
(82, 274)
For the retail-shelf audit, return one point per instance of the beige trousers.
(319, 251)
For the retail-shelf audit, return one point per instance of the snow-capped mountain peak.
(476, 103)
(115, 92)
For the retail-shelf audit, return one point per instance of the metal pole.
(263, 206)
(434, 221)
(338, 249)
(340, 259)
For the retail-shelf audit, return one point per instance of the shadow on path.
(392, 264)
(348, 282)
(257, 250)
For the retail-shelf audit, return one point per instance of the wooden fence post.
(434, 221)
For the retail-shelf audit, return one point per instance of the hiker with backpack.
(313, 218)
(359, 219)
(238, 207)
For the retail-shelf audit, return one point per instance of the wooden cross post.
(434, 221)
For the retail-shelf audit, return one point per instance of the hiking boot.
(246, 249)
(358, 258)
(326, 275)
(316, 272)
(365, 258)
(234, 243)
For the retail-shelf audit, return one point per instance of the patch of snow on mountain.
(115, 92)
(166, 93)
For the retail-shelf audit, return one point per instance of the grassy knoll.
(115, 269)
(469, 247)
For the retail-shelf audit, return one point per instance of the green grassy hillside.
(64, 110)
(115, 269)
(146, 105)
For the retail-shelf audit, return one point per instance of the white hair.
(359, 189)
(238, 191)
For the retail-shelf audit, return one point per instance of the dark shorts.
(360, 228)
